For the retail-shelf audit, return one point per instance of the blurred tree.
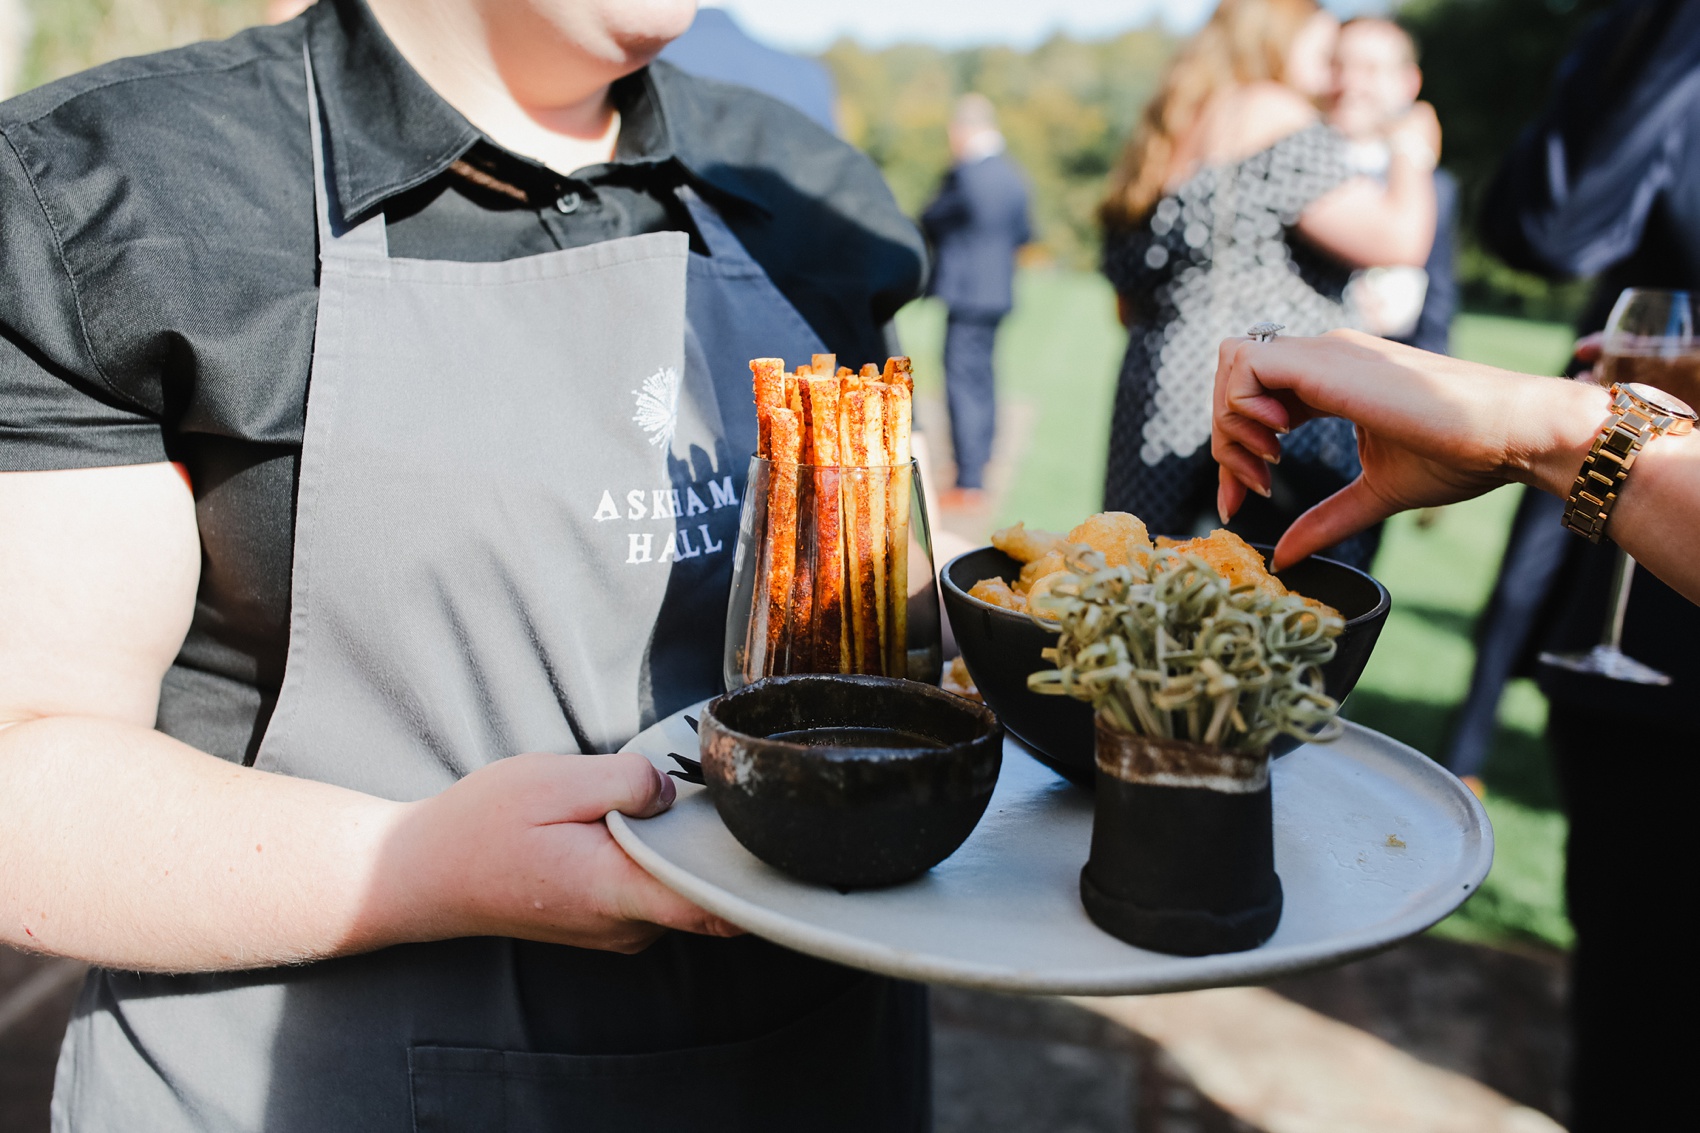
(1065, 108)
(14, 37)
(73, 34)
(1487, 67)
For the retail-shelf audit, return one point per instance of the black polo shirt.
(158, 267)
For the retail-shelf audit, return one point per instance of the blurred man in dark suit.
(715, 47)
(1606, 182)
(975, 224)
(1376, 81)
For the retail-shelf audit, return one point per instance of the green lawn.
(1060, 351)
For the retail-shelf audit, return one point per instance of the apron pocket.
(859, 1063)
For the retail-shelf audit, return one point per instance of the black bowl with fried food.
(1001, 647)
(848, 780)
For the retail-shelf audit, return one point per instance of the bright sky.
(809, 25)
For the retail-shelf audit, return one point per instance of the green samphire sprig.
(1173, 650)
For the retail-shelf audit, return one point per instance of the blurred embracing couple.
(1285, 171)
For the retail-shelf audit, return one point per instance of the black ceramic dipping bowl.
(1002, 646)
(849, 781)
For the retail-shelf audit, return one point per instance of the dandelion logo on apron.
(658, 406)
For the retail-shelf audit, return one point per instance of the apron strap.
(722, 243)
(366, 240)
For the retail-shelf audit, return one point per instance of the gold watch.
(1638, 414)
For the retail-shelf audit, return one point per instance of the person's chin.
(623, 34)
(641, 28)
(641, 51)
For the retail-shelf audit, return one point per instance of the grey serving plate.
(1373, 841)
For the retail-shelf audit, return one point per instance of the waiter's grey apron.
(517, 507)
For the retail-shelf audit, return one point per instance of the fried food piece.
(1235, 560)
(1042, 585)
(1023, 545)
(1121, 538)
(1048, 563)
(1163, 542)
(1321, 607)
(957, 680)
(997, 592)
(1240, 563)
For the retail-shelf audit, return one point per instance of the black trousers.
(969, 339)
(1628, 782)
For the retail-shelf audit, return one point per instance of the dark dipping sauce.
(862, 738)
(849, 780)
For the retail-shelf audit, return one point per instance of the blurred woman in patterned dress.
(1233, 205)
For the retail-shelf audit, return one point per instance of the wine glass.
(1649, 338)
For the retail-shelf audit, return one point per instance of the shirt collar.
(389, 131)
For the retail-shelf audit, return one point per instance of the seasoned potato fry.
(1121, 538)
(1023, 545)
(837, 536)
(770, 395)
(997, 592)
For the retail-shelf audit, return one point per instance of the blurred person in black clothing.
(1606, 182)
(976, 222)
(1375, 83)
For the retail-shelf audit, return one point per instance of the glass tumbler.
(833, 573)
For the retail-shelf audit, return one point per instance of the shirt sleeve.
(56, 409)
(1300, 168)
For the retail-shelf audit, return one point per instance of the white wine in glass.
(1649, 338)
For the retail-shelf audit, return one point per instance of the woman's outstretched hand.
(1432, 430)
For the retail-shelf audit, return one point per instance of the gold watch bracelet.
(1626, 431)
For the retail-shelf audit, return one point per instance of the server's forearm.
(126, 848)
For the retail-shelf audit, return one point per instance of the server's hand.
(520, 848)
